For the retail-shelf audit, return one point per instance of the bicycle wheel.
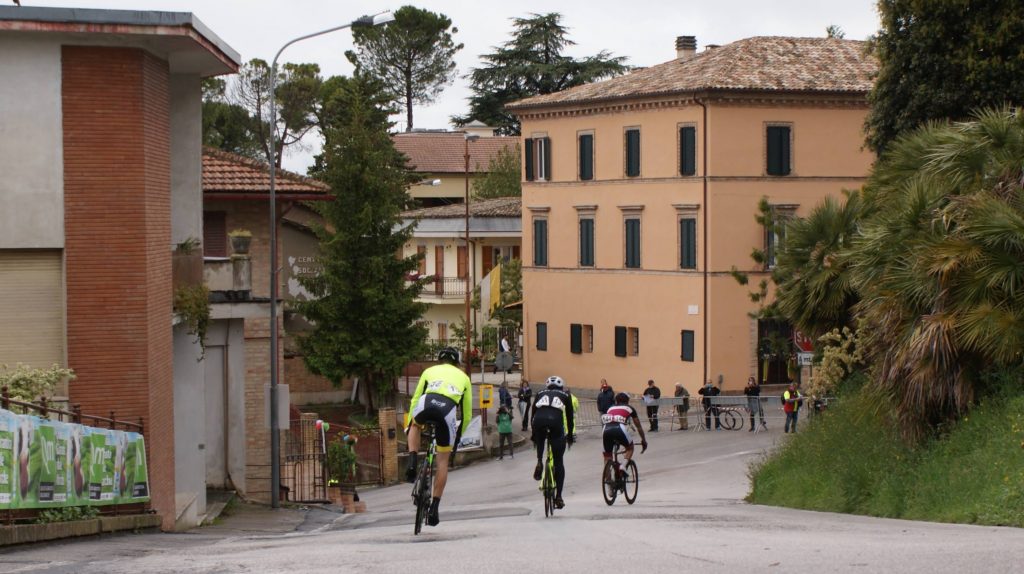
(729, 420)
(630, 482)
(422, 492)
(608, 487)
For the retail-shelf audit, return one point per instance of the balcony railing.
(444, 288)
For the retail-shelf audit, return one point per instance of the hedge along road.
(689, 516)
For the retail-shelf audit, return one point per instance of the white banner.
(473, 437)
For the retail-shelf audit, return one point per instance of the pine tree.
(363, 309)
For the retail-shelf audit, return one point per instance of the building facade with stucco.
(640, 195)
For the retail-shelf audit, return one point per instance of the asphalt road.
(689, 516)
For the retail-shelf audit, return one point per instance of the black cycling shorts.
(616, 434)
(441, 411)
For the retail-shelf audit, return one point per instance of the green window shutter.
(620, 341)
(633, 243)
(586, 242)
(540, 242)
(542, 336)
(576, 338)
(632, 153)
(687, 352)
(546, 171)
(778, 150)
(586, 157)
(688, 150)
(528, 156)
(687, 243)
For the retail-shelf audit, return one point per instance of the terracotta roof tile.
(763, 63)
(444, 152)
(225, 172)
(497, 207)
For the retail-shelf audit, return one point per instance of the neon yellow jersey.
(448, 381)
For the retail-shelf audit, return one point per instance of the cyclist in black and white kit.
(616, 427)
(552, 417)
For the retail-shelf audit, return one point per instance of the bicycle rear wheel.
(422, 492)
(729, 420)
(631, 482)
(608, 487)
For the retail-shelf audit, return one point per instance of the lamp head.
(375, 20)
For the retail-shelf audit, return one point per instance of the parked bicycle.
(423, 486)
(617, 477)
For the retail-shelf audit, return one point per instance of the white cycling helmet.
(556, 382)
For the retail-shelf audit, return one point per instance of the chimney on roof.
(686, 47)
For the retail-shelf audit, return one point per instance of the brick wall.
(254, 216)
(257, 435)
(117, 248)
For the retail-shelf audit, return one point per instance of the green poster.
(101, 467)
(42, 467)
(60, 482)
(8, 426)
(135, 474)
(78, 465)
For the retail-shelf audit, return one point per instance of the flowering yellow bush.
(25, 383)
(841, 356)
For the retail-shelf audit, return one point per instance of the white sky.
(642, 30)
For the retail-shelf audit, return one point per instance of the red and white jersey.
(618, 414)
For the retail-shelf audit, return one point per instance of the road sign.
(504, 361)
(486, 396)
(805, 359)
(803, 343)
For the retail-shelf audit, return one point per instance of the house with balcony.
(236, 365)
(495, 228)
(640, 195)
(100, 151)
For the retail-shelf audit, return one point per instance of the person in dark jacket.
(605, 398)
(525, 396)
(753, 392)
(651, 395)
(708, 391)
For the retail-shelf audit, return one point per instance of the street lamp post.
(469, 334)
(275, 439)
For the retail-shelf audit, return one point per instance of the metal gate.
(303, 469)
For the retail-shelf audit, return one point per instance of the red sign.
(803, 343)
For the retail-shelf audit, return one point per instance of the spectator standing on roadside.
(753, 392)
(708, 391)
(683, 408)
(525, 396)
(605, 398)
(505, 433)
(791, 402)
(504, 397)
(651, 396)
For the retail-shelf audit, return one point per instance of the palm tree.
(813, 279)
(938, 265)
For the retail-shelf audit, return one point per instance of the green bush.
(851, 459)
(67, 514)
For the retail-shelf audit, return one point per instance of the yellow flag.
(495, 288)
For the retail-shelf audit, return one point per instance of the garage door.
(31, 308)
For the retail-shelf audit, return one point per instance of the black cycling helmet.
(622, 399)
(448, 355)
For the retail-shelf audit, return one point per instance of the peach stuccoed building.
(640, 196)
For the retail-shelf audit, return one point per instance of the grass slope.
(849, 460)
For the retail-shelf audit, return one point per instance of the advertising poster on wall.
(46, 463)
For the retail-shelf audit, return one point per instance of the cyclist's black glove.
(643, 447)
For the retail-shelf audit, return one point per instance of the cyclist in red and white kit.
(616, 427)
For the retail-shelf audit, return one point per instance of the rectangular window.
(586, 147)
(633, 336)
(588, 338)
(542, 336)
(421, 264)
(462, 262)
(687, 351)
(538, 159)
(540, 242)
(586, 242)
(215, 234)
(688, 150)
(775, 236)
(687, 243)
(779, 157)
(620, 341)
(632, 152)
(633, 243)
(576, 338)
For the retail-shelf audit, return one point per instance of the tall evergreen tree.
(530, 64)
(413, 56)
(943, 60)
(228, 126)
(363, 310)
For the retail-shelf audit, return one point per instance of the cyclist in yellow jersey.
(439, 393)
(575, 410)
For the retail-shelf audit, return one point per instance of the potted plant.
(240, 240)
(341, 471)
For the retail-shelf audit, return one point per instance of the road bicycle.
(547, 484)
(731, 417)
(423, 486)
(617, 478)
